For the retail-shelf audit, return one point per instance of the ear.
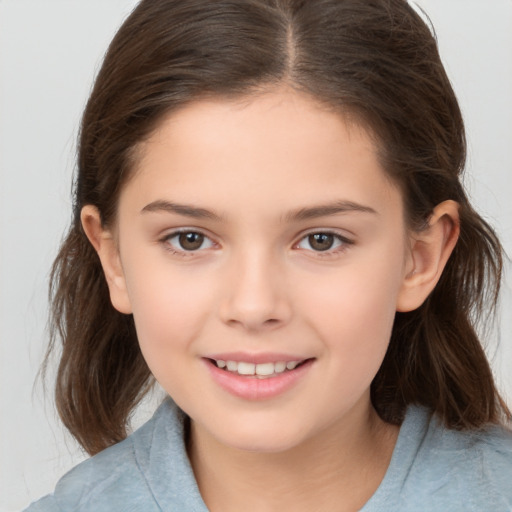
(105, 245)
(430, 250)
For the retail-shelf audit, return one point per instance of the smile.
(260, 370)
(264, 377)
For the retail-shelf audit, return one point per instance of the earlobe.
(105, 245)
(429, 253)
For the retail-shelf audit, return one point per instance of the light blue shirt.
(432, 470)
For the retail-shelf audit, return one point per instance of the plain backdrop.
(50, 51)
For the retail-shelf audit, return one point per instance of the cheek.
(169, 316)
(353, 310)
(356, 329)
(169, 309)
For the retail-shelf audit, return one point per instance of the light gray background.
(49, 53)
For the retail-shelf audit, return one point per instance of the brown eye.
(324, 241)
(321, 241)
(191, 241)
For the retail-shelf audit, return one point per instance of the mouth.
(257, 370)
(257, 377)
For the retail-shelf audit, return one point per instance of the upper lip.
(261, 358)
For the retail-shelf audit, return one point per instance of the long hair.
(374, 60)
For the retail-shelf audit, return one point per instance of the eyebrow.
(324, 210)
(306, 213)
(181, 209)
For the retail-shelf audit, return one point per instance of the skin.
(258, 285)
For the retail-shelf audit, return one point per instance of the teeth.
(264, 369)
(246, 368)
(232, 366)
(261, 370)
(280, 367)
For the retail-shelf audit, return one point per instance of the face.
(263, 252)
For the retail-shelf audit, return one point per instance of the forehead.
(281, 148)
(276, 120)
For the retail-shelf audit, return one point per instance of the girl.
(269, 222)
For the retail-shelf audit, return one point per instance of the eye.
(323, 241)
(188, 241)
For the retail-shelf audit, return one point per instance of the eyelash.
(166, 241)
(344, 243)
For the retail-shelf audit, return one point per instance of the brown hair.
(374, 59)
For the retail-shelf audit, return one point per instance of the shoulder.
(434, 468)
(111, 479)
(100, 483)
(97, 483)
(472, 469)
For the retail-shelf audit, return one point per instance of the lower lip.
(254, 388)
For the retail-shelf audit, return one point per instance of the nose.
(255, 294)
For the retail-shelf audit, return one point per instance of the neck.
(338, 470)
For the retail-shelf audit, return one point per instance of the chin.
(263, 439)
